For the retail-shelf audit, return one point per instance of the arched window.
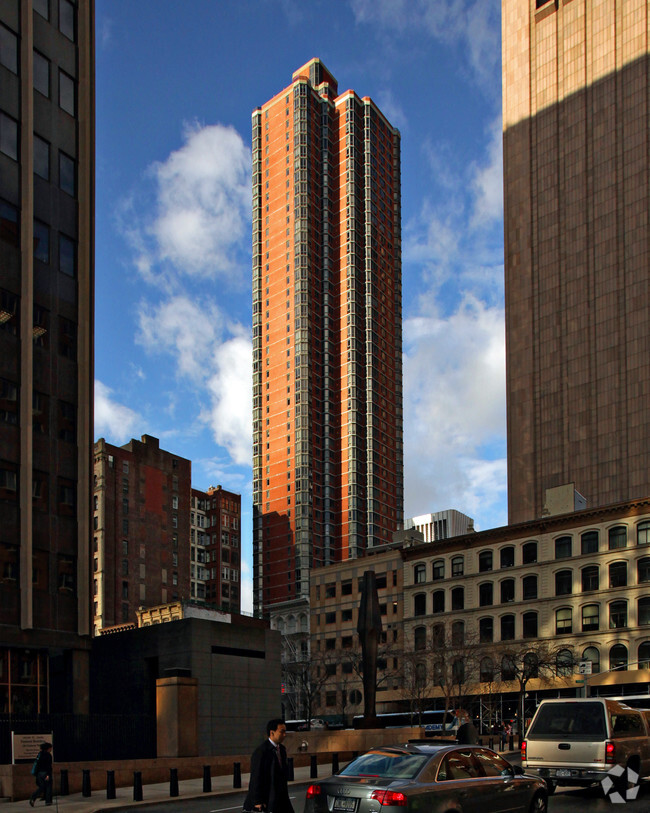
(458, 598)
(644, 655)
(486, 630)
(420, 638)
(420, 674)
(643, 611)
(438, 569)
(304, 623)
(529, 625)
(531, 665)
(618, 574)
(508, 668)
(563, 621)
(507, 590)
(420, 604)
(458, 633)
(589, 542)
(643, 570)
(590, 617)
(618, 657)
(457, 566)
(507, 556)
(458, 671)
(529, 588)
(485, 561)
(439, 601)
(486, 670)
(529, 553)
(438, 635)
(563, 583)
(643, 533)
(592, 654)
(507, 628)
(564, 663)
(563, 547)
(590, 578)
(485, 594)
(617, 615)
(291, 625)
(280, 624)
(617, 537)
(419, 573)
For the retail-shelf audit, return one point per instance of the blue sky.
(176, 85)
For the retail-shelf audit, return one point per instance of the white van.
(577, 741)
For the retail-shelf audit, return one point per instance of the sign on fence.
(25, 747)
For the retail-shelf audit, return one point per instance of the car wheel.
(539, 804)
(551, 786)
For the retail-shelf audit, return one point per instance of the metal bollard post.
(290, 771)
(110, 784)
(236, 775)
(511, 744)
(173, 781)
(207, 779)
(313, 768)
(335, 763)
(491, 743)
(65, 786)
(137, 786)
(85, 782)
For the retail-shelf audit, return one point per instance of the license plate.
(563, 772)
(342, 803)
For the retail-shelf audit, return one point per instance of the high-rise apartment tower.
(576, 145)
(327, 345)
(47, 149)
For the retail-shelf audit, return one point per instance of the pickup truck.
(578, 741)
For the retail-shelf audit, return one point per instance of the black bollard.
(207, 779)
(335, 763)
(65, 787)
(491, 743)
(137, 786)
(173, 781)
(511, 744)
(290, 772)
(110, 784)
(236, 775)
(85, 782)
(313, 769)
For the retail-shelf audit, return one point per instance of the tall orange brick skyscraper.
(327, 344)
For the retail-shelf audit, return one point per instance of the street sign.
(584, 667)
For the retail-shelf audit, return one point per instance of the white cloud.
(201, 209)
(487, 183)
(454, 410)
(112, 419)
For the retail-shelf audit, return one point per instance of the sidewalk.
(187, 789)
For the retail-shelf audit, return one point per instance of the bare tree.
(455, 662)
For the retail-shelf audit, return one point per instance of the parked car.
(576, 742)
(434, 778)
(313, 724)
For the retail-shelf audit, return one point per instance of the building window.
(458, 598)
(563, 621)
(589, 542)
(66, 93)
(41, 74)
(563, 583)
(486, 630)
(590, 578)
(486, 670)
(563, 547)
(643, 570)
(564, 663)
(439, 601)
(438, 635)
(67, 256)
(485, 561)
(67, 174)
(529, 553)
(643, 533)
(507, 590)
(643, 618)
(529, 587)
(618, 574)
(420, 573)
(420, 604)
(507, 628)
(9, 233)
(346, 588)
(617, 537)
(592, 654)
(41, 158)
(66, 19)
(508, 668)
(420, 638)
(8, 136)
(458, 633)
(457, 566)
(618, 614)
(618, 657)
(41, 242)
(438, 570)
(529, 625)
(8, 49)
(485, 594)
(507, 556)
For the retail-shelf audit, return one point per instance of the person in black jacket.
(43, 775)
(467, 733)
(268, 790)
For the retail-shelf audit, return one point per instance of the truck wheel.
(539, 804)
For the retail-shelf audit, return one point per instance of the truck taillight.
(390, 798)
(314, 790)
(523, 749)
(610, 753)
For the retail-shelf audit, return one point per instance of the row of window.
(589, 578)
(66, 249)
(617, 537)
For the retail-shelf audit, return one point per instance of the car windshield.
(387, 765)
(569, 721)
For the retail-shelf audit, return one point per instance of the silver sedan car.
(429, 779)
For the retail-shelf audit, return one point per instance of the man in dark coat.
(43, 775)
(467, 733)
(267, 789)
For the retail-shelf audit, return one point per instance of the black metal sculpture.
(369, 629)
